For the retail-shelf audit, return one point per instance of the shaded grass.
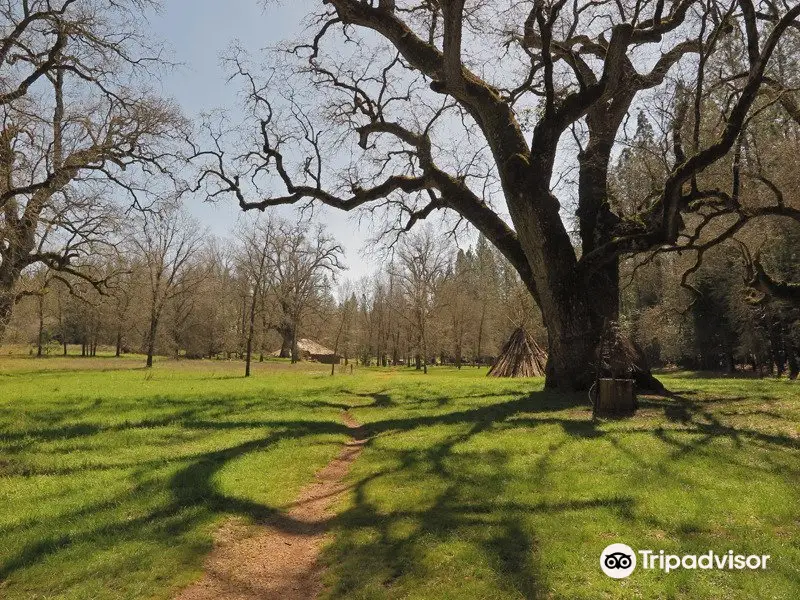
(488, 494)
(113, 478)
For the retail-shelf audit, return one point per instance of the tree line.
(174, 289)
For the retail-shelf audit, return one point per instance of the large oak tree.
(477, 107)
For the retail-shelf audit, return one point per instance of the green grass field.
(113, 479)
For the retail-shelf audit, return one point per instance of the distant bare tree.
(42, 280)
(423, 260)
(255, 245)
(122, 296)
(302, 265)
(347, 309)
(166, 241)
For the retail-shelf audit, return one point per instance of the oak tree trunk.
(40, 338)
(250, 333)
(151, 341)
(6, 308)
(295, 353)
(561, 294)
(287, 333)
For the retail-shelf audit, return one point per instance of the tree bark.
(6, 308)
(250, 331)
(286, 331)
(562, 294)
(151, 341)
(597, 222)
(571, 348)
(295, 353)
(40, 338)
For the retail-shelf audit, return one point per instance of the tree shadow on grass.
(696, 417)
(195, 497)
(377, 547)
(373, 545)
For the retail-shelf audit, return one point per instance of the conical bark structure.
(521, 357)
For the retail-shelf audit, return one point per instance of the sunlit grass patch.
(113, 479)
(516, 495)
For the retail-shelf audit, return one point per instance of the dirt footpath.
(278, 563)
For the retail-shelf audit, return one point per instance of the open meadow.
(206, 207)
(114, 478)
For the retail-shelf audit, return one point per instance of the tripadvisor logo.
(619, 561)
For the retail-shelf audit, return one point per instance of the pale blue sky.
(198, 32)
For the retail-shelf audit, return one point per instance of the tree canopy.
(471, 107)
